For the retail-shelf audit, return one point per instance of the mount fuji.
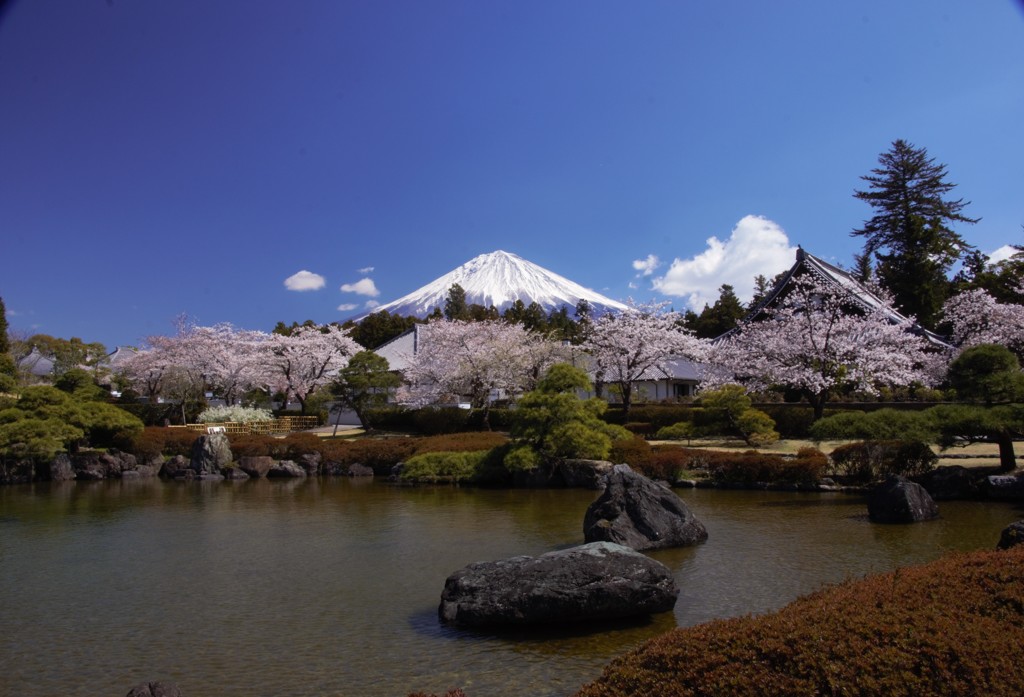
(499, 279)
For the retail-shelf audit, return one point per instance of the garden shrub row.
(381, 454)
(670, 462)
(944, 628)
(867, 461)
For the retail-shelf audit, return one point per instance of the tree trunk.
(1007, 458)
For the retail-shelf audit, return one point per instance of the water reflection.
(331, 587)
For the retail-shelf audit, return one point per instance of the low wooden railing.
(285, 424)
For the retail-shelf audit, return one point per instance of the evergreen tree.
(719, 318)
(5, 344)
(909, 234)
(455, 306)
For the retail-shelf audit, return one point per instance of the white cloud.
(368, 269)
(363, 286)
(304, 280)
(347, 307)
(756, 246)
(646, 266)
(370, 304)
(1002, 254)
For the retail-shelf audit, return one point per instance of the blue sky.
(160, 158)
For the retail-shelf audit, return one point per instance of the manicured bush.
(635, 452)
(756, 428)
(752, 467)
(791, 421)
(682, 430)
(871, 460)
(640, 428)
(942, 629)
(443, 467)
(473, 440)
(380, 454)
(880, 425)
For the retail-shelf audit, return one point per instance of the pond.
(331, 586)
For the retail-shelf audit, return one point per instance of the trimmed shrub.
(940, 629)
(870, 460)
(635, 452)
(443, 467)
(756, 428)
(682, 430)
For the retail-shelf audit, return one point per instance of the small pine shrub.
(443, 467)
(682, 430)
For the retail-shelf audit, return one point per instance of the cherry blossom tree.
(816, 343)
(304, 361)
(624, 347)
(477, 359)
(975, 318)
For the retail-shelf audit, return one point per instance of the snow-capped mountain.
(499, 279)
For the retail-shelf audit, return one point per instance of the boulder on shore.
(255, 466)
(951, 483)
(635, 512)
(597, 581)
(899, 500)
(210, 453)
(286, 469)
(1005, 487)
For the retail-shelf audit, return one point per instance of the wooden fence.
(285, 424)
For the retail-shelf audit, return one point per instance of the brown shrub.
(944, 628)
(460, 442)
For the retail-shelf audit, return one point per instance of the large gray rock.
(310, 462)
(96, 465)
(899, 500)
(1013, 535)
(286, 469)
(210, 453)
(951, 483)
(584, 474)
(598, 581)
(1005, 487)
(173, 467)
(61, 469)
(256, 466)
(636, 512)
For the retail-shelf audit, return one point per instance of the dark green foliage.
(728, 411)
(364, 384)
(909, 233)
(719, 318)
(5, 344)
(74, 422)
(942, 629)
(872, 460)
(962, 423)
(989, 373)
(80, 384)
(883, 424)
(378, 328)
(557, 423)
(455, 306)
(443, 467)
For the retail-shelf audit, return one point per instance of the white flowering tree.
(304, 361)
(975, 317)
(476, 360)
(817, 344)
(625, 347)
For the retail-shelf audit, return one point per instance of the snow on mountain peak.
(500, 278)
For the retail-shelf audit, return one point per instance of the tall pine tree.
(910, 233)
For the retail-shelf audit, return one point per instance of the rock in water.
(598, 581)
(1013, 535)
(636, 512)
(898, 500)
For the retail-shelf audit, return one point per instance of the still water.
(331, 587)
